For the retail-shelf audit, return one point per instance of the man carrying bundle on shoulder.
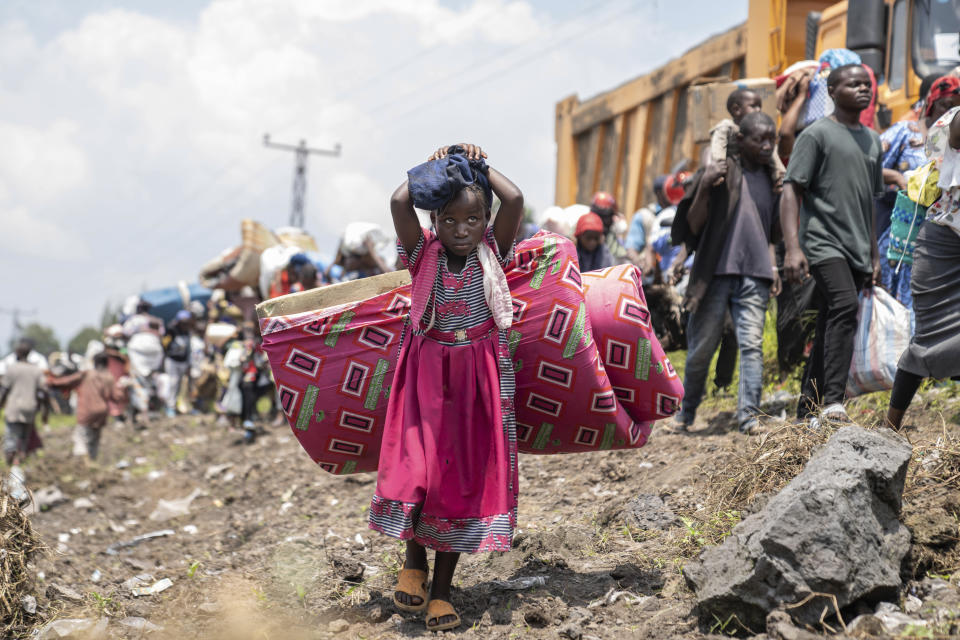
(732, 226)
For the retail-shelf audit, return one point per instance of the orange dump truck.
(620, 140)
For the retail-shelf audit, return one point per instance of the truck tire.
(813, 28)
(866, 24)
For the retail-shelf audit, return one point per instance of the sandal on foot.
(438, 609)
(412, 582)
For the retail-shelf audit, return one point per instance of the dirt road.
(273, 547)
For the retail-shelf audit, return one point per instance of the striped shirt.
(458, 298)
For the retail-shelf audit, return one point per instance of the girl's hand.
(471, 151)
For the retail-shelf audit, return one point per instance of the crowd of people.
(812, 215)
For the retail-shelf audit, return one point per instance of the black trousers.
(251, 392)
(825, 376)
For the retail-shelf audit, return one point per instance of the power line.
(472, 81)
(228, 167)
(467, 69)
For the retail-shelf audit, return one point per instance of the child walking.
(96, 389)
(740, 103)
(447, 476)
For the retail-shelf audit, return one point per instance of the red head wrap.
(942, 87)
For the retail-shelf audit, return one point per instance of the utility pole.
(301, 151)
(16, 314)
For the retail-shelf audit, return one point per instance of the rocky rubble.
(834, 530)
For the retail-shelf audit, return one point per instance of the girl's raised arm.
(405, 221)
(510, 214)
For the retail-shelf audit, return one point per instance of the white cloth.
(495, 288)
(946, 210)
(34, 358)
(146, 353)
(273, 260)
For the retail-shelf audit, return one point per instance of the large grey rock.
(833, 529)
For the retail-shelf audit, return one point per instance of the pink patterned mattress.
(590, 373)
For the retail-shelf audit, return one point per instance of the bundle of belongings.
(258, 260)
(818, 102)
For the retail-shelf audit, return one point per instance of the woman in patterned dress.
(448, 464)
(903, 152)
(934, 349)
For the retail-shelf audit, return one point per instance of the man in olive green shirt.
(827, 215)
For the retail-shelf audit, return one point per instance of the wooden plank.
(635, 155)
(607, 169)
(333, 295)
(674, 102)
(586, 144)
(597, 168)
(722, 48)
(683, 130)
(656, 141)
(758, 35)
(621, 131)
(565, 189)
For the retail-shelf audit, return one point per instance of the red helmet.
(603, 203)
(673, 186)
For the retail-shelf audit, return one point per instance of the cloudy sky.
(133, 130)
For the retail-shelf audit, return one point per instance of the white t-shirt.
(34, 357)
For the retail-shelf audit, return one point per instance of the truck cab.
(903, 41)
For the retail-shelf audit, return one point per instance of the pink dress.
(448, 460)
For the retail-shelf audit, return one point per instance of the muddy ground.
(273, 547)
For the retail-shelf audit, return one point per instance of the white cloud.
(26, 236)
(38, 165)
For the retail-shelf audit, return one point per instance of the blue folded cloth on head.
(436, 182)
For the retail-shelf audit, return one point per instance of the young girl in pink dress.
(448, 464)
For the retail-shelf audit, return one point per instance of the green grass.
(56, 421)
(716, 399)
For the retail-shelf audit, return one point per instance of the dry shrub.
(935, 468)
(774, 460)
(932, 504)
(19, 544)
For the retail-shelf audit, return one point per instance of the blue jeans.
(746, 298)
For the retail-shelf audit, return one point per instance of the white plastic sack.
(272, 260)
(94, 347)
(356, 234)
(296, 237)
(145, 353)
(883, 332)
(562, 221)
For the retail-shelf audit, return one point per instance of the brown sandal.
(439, 609)
(412, 582)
